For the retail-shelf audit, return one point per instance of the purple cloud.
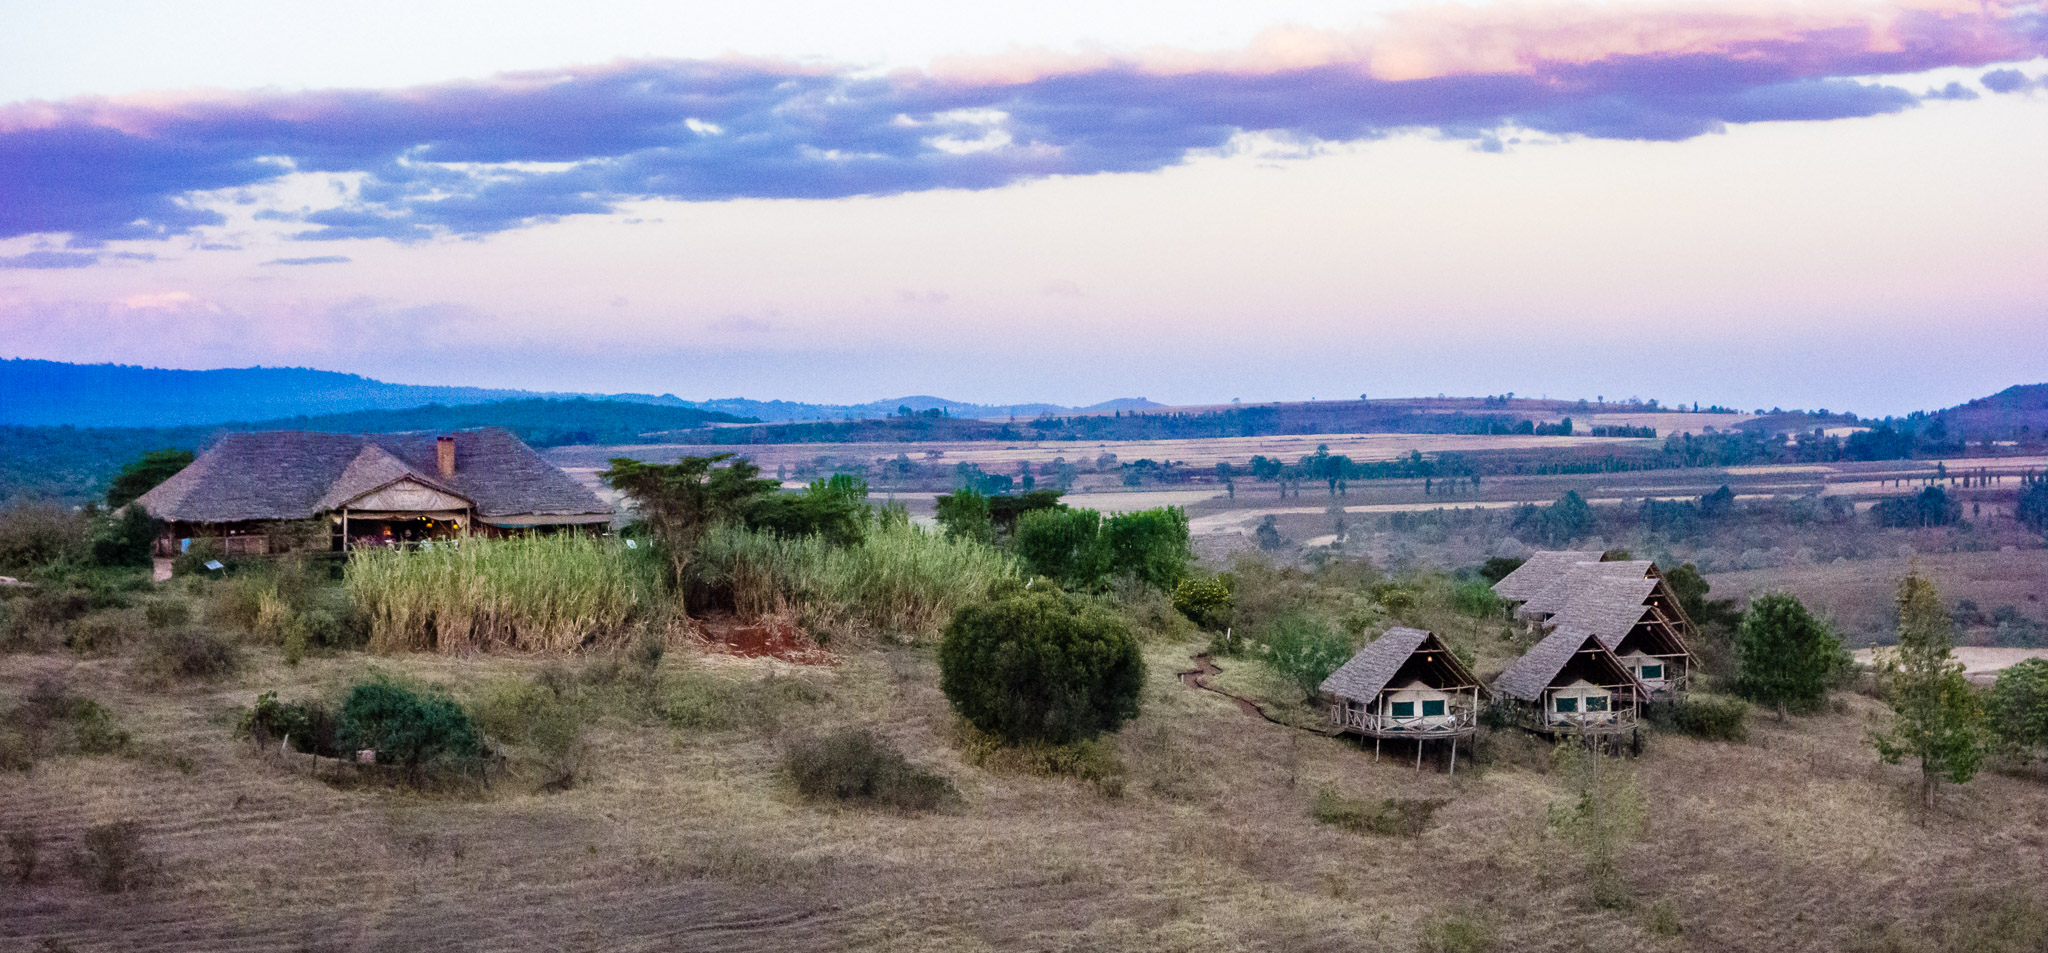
(50, 259)
(2009, 81)
(314, 260)
(477, 158)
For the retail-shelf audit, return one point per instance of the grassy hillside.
(686, 834)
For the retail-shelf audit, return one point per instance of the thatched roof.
(1368, 672)
(1539, 571)
(1526, 679)
(1577, 577)
(295, 474)
(1606, 606)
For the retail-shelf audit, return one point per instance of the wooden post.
(1418, 754)
(1375, 749)
(1454, 756)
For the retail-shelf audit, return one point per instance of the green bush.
(1151, 546)
(167, 613)
(1712, 717)
(700, 701)
(857, 766)
(1041, 667)
(1388, 817)
(100, 633)
(544, 719)
(1304, 651)
(1457, 931)
(1205, 601)
(52, 720)
(2017, 708)
(310, 727)
(125, 540)
(1785, 656)
(1476, 599)
(406, 727)
(190, 653)
(1060, 544)
(37, 534)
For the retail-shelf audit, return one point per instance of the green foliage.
(1932, 507)
(1150, 546)
(125, 540)
(1304, 651)
(834, 509)
(33, 535)
(1712, 717)
(1387, 817)
(1476, 599)
(856, 766)
(1005, 511)
(1081, 549)
(1785, 658)
(1041, 667)
(679, 502)
(1267, 535)
(1457, 931)
(1936, 715)
(1205, 601)
(1496, 568)
(701, 701)
(310, 727)
(964, 515)
(404, 726)
(554, 593)
(2017, 708)
(1566, 519)
(1060, 544)
(2031, 508)
(900, 581)
(543, 720)
(142, 475)
(189, 653)
(51, 720)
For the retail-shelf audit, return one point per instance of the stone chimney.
(444, 454)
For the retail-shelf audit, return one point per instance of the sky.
(1838, 204)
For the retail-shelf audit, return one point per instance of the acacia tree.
(679, 501)
(1936, 716)
(1785, 656)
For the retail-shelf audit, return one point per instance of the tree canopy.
(1785, 657)
(1936, 716)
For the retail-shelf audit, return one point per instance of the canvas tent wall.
(1405, 684)
(1628, 617)
(1548, 685)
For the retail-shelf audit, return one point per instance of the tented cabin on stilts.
(1406, 684)
(1572, 684)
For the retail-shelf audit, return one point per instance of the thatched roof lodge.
(1405, 684)
(281, 490)
(1626, 603)
(1572, 683)
(1636, 618)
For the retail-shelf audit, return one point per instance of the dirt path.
(1198, 676)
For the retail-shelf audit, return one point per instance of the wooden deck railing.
(1373, 724)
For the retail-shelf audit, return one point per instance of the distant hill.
(53, 393)
(2006, 415)
(73, 464)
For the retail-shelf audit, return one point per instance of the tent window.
(1596, 703)
(1433, 707)
(1653, 671)
(1403, 709)
(1567, 704)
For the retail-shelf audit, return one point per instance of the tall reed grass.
(532, 594)
(899, 580)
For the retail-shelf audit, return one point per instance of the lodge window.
(1653, 671)
(1432, 708)
(1567, 704)
(1595, 703)
(1403, 709)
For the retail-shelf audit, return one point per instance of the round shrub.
(1041, 667)
(404, 726)
(1712, 717)
(1205, 601)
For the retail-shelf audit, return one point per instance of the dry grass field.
(1858, 595)
(691, 839)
